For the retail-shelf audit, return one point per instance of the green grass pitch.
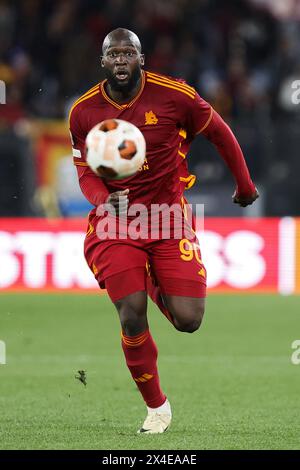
(231, 384)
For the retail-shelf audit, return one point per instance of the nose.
(120, 59)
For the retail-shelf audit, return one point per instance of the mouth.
(122, 75)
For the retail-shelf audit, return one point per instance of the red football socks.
(141, 358)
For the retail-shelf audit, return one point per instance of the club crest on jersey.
(150, 118)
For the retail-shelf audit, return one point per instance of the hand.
(244, 201)
(117, 202)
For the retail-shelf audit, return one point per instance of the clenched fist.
(119, 201)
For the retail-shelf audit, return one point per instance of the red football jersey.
(168, 112)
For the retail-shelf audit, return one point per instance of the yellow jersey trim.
(126, 105)
(182, 133)
(81, 100)
(208, 122)
(189, 181)
(94, 88)
(80, 164)
(167, 85)
(156, 76)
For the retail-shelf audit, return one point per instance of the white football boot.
(158, 420)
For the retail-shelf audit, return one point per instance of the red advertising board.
(240, 255)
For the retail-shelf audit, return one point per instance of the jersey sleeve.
(194, 113)
(78, 136)
(222, 137)
(91, 185)
(197, 116)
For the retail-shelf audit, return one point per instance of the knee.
(133, 321)
(187, 326)
(133, 317)
(133, 324)
(189, 323)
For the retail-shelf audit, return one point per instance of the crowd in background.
(239, 54)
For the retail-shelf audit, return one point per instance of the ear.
(102, 61)
(142, 59)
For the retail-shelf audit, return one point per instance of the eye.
(129, 54)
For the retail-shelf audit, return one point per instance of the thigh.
(178, 268)
(186, 307)
(121, 287)
(187, 312)
(181, 303)
(112, 257)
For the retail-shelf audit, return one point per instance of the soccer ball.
(116, 149)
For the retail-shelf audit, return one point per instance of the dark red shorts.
(122, 266)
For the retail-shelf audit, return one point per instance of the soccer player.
(170, 115)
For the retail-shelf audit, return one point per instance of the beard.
(119, 86)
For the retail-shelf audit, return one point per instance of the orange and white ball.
(116, 149)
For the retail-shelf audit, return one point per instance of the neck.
(122, 97)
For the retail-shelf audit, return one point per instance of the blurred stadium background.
(243, 56)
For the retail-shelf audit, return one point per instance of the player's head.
(122, 59)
